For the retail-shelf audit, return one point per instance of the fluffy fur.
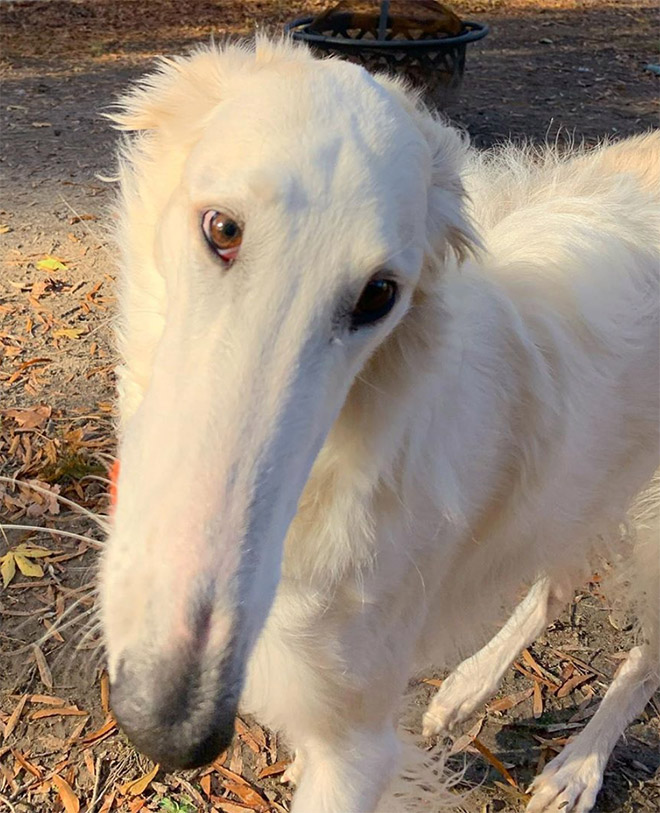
(374, 499)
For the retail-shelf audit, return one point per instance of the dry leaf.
(44, 670)
(108, 802)
(275, 769)
(573, 683)
(463, 742)
(105, 693)
(34, 418)
(27, 567)
(66, 711)
(138, 786)
(24, 763)
(69, 332)
(51, 264)
(506, 703)
(68, 797)
(248, 795)
(7, 568)
(106, 730)
(495, 762)
(15, 716)
(538, 701)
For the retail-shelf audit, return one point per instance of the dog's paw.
(454, 702)
(293, 773)
(569, 784)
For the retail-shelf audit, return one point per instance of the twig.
(97, 784)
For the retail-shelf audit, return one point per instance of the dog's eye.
(222, 233)
(376, 300)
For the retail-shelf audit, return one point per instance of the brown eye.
(222, 233)
(376, 300)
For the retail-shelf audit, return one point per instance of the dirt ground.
(547, 70)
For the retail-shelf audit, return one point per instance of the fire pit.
(420, 39)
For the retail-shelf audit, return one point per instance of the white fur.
(373, 499)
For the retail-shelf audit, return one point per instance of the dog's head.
(279, 217)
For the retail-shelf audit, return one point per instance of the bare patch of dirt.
(549, 68)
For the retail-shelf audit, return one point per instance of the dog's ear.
(448, 224)
(178, 96)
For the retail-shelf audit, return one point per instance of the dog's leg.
(570, 783)
(294, 771)
(349, 774)
(478, 678)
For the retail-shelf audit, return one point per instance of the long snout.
(210, 478)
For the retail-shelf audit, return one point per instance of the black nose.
(180, 714)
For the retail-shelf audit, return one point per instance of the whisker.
(96, 477)
(64, 500)
(93, 542)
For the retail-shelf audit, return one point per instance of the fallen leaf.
(48, 699)
(68, 797)
(66, 711)
(15, 716)
(32, 552)
(7, 568)
(105, 693)
(573, 683)
(137, 787)
(248, 795)
(51, 264)
(275, 769)
(78, 218)
(44, 670)
(538, 701)
(463, 742)
(26, 764)
(506, 703)
(34, 418)
(106, 730)
(27, 567)
(108, 801)
(69, 332)
(494, 761)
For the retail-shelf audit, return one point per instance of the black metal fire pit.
(425, 41)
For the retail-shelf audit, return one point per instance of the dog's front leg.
(348, 774)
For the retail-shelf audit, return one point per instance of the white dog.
(371, 383)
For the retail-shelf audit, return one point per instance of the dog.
(372, 382)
